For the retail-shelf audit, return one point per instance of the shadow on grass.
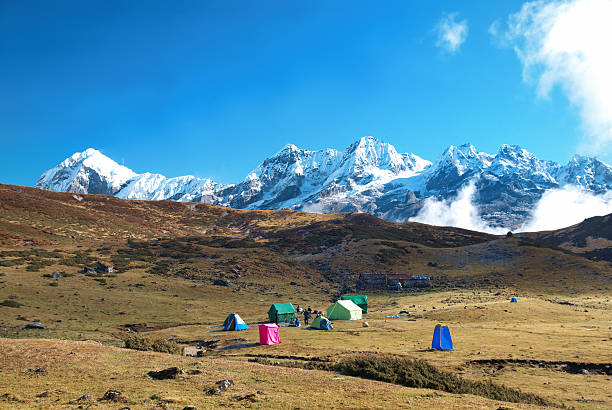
(238, 346)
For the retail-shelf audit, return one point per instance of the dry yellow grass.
(68, 370)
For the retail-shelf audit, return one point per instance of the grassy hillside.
(181, 268)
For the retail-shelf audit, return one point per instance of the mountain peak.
(89, 171)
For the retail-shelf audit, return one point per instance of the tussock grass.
(155, 345)
(420, 374)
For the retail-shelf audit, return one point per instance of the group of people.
(308, 313)
(307, 316)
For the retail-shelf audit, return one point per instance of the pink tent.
(268, 334)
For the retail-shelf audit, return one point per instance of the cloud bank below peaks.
(459, 212)
(558, 208)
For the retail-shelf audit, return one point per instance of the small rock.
(56, 275)
(365, 324)
(222, 385)
(252, 397)
(113, 395)
(190, 408)
(85, 397)
(584, 371)
(169, 373)
(3, 274)
(196, 371)
(222, 282)
(43, 394)
(276, 363)
(34, 325)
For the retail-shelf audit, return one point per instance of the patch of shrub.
(11, 303)
(420, 374)
(155, 345)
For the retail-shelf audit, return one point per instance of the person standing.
(276, 317)
(306, 317)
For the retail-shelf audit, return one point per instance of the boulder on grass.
(169, 373)
(34, 325)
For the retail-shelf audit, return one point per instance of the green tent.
(321, 323)
(359, 300)
(344, 310)
(286, 312)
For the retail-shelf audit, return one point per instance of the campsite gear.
(268, 334)
(344, 310)
(234, 322)
(297, 322)
(359, 300)
(322, 323)
(285, 312)
(442, 338)
(514, 300)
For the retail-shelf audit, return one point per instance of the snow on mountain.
(156, 187)
(368, 176)
(84, 172)
(586, 172)
(91, 172)
(454, 166)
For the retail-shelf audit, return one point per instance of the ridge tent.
(514, 300)
(344, 310)
(442, 338)
(359, 300)
(321, 323)
(268, 334)
(234, 322)
(286, 312)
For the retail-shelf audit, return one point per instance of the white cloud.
(459, 212)
(560, 208)
(451, 33)
(567, 43)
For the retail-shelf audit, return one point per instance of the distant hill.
(226, 246)
(591, 238)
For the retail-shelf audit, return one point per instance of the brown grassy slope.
(204, 243)
(29, 215)
(55, 374)
(591, 238)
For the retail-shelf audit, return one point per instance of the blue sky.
(212, 88)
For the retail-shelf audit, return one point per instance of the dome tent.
(344, 310)
(514, 300)
(321, 323)
(442, 338)
(234, 322)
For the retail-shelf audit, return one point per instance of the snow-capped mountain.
(87, 172)
(368, 176)
(91, 172)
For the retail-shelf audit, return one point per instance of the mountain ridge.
(368, 176)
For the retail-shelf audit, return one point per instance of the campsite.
(162, 296)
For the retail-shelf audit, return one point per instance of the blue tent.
(514, 300)
(441, 338)
(234, 322)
